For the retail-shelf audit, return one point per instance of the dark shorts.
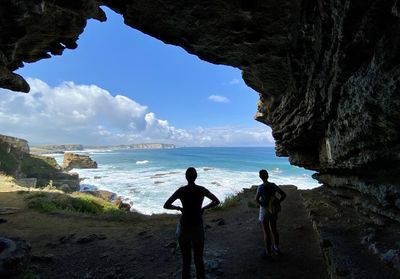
(191, 233)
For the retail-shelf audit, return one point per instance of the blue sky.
(122, 86)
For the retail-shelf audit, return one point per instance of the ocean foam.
(142, 162)
(148, 189)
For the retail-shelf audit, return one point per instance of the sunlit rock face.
(327, 72)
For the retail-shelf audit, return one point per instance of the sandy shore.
(70, 245)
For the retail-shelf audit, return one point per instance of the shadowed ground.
(67, 245)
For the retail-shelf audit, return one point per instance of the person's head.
(263, 175)
(191, 174)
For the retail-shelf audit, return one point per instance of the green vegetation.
(252, 204)
(39, 166)
(76, 202)
(230, 201)
(30, 275)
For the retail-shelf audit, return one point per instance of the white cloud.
(234, 81)
(88, 114)
(233, 136)
(218, 99)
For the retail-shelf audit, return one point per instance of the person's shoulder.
(274, 185)
(202, 189)
(181, 189)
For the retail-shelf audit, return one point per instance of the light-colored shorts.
(265, 215)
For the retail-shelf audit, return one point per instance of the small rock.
(392, 257)
(221, 222)
(373, 248)
(397, 203)
(101, 236)
(325, 243)
(14, 256)
(212, 265)
(379, 221)
(8, 210)
(66, 238)
(90, 238)
(297, 227)
(369, 238)
(104, 255)
(2, 220)
(172, 244)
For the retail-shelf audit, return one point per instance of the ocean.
(146, 178)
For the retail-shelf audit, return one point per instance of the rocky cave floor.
(66, 245)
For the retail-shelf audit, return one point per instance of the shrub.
(229, 201)
(76, 202)
(252, 204)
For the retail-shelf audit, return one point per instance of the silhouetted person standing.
(190, 229)
(269, 208)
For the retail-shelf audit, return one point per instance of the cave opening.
(123, 87)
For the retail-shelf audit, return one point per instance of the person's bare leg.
(267, 236)
(276, 235)
(186, 251)
(198, 248)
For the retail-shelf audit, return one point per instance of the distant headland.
(61, 148)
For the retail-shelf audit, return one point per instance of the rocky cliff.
(327, 73)
(72, 160)
(32, 170)
(12, 151)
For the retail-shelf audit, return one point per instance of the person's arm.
(169, 203)
(257, 197)
(281, 193)
(214, 200)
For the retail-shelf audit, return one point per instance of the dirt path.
(75, 246)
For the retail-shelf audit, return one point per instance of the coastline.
(147, 177)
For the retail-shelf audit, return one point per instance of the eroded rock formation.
(327, 72)
(72, 160)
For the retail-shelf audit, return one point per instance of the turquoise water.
(146, 178)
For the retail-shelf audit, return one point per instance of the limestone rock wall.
(16, 143)
(12, 151)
